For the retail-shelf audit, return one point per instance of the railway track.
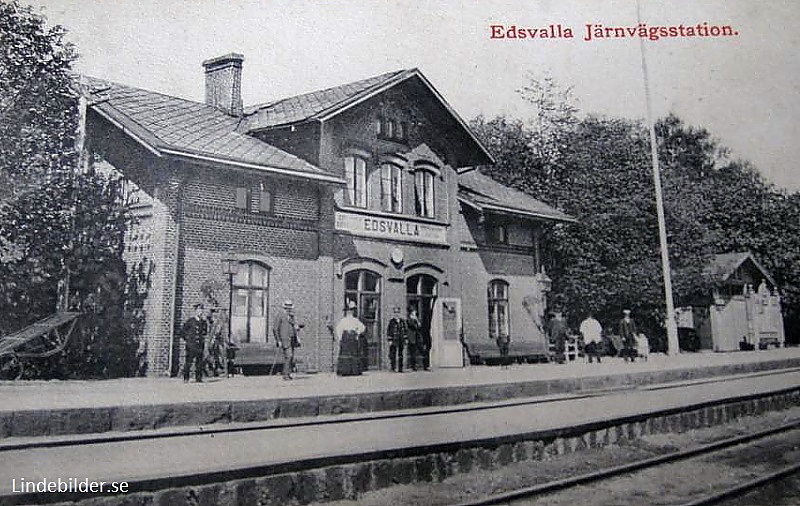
(528, 494)
(347, 455)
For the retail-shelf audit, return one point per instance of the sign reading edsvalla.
(391, 228)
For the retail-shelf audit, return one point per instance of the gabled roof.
(325, 104)
(486, 194)
(723, 265)
(172, 126)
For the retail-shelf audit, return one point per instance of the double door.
(364, 288)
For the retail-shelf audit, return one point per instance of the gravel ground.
(482, 483)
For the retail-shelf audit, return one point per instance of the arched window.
(498, 309)
(249, 303)
(355, 172)
(364, 288)
(392, 188)
(423, 187)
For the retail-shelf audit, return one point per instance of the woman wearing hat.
(347, 332)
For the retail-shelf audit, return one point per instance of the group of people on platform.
(405, 334)
(206, 348)
(207, 352)
(631, 342)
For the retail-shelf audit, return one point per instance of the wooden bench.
(259, 358)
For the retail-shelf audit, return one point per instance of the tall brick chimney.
(224, 83)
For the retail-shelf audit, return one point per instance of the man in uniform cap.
(194, 332)
(627, 331)
(398, 333)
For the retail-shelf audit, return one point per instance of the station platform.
(51, 408)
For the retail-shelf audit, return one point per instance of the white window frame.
(355, 171)
(497, 301)
(424, 184)
(391, 187)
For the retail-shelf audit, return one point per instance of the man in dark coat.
(194, 332)
(558, 336)
(414, 327)
(285, 332)
(628, 331)
(398, 333)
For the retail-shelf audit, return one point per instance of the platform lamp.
(544, 281)
(230, 267)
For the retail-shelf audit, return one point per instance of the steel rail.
(574, 481)
(740, 490)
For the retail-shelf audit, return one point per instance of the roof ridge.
(254, 109)
(128, 86)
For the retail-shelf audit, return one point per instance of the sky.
(744, 88)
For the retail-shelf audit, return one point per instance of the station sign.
(396, 229)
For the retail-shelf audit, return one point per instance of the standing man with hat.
(627, 331)
(285, 333)
(194, 332)
(398, 333)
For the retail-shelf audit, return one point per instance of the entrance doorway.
(421, 293)
(364, 288)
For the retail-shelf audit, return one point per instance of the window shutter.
(241, 198)
(265, 202)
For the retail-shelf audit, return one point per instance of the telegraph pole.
(673, 348)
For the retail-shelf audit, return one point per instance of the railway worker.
(627, 331)
(285, 332)
(194, 332)
(413, 327)
(592, 333)
(558, 335)
(398, 333)
(347, 332)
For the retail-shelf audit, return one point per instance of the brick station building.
(364, 192)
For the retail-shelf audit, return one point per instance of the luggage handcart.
(42, 339)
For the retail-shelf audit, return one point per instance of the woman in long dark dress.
(347, 332)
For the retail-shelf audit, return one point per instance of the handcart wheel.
(10, 367)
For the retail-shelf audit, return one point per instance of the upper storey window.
(393, 130)
(392, 188)
(355, 172)
(424, 192)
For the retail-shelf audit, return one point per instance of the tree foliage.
(598, 170)
(36, 99)
(58, 221)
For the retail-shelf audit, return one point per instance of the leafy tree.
(598, 170)
(58, 221)
(37, 119)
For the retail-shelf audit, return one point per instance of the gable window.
(423, 193)
(498, 309)
(355, 172)
(249, 302)
(393, 130)
(392, 188)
